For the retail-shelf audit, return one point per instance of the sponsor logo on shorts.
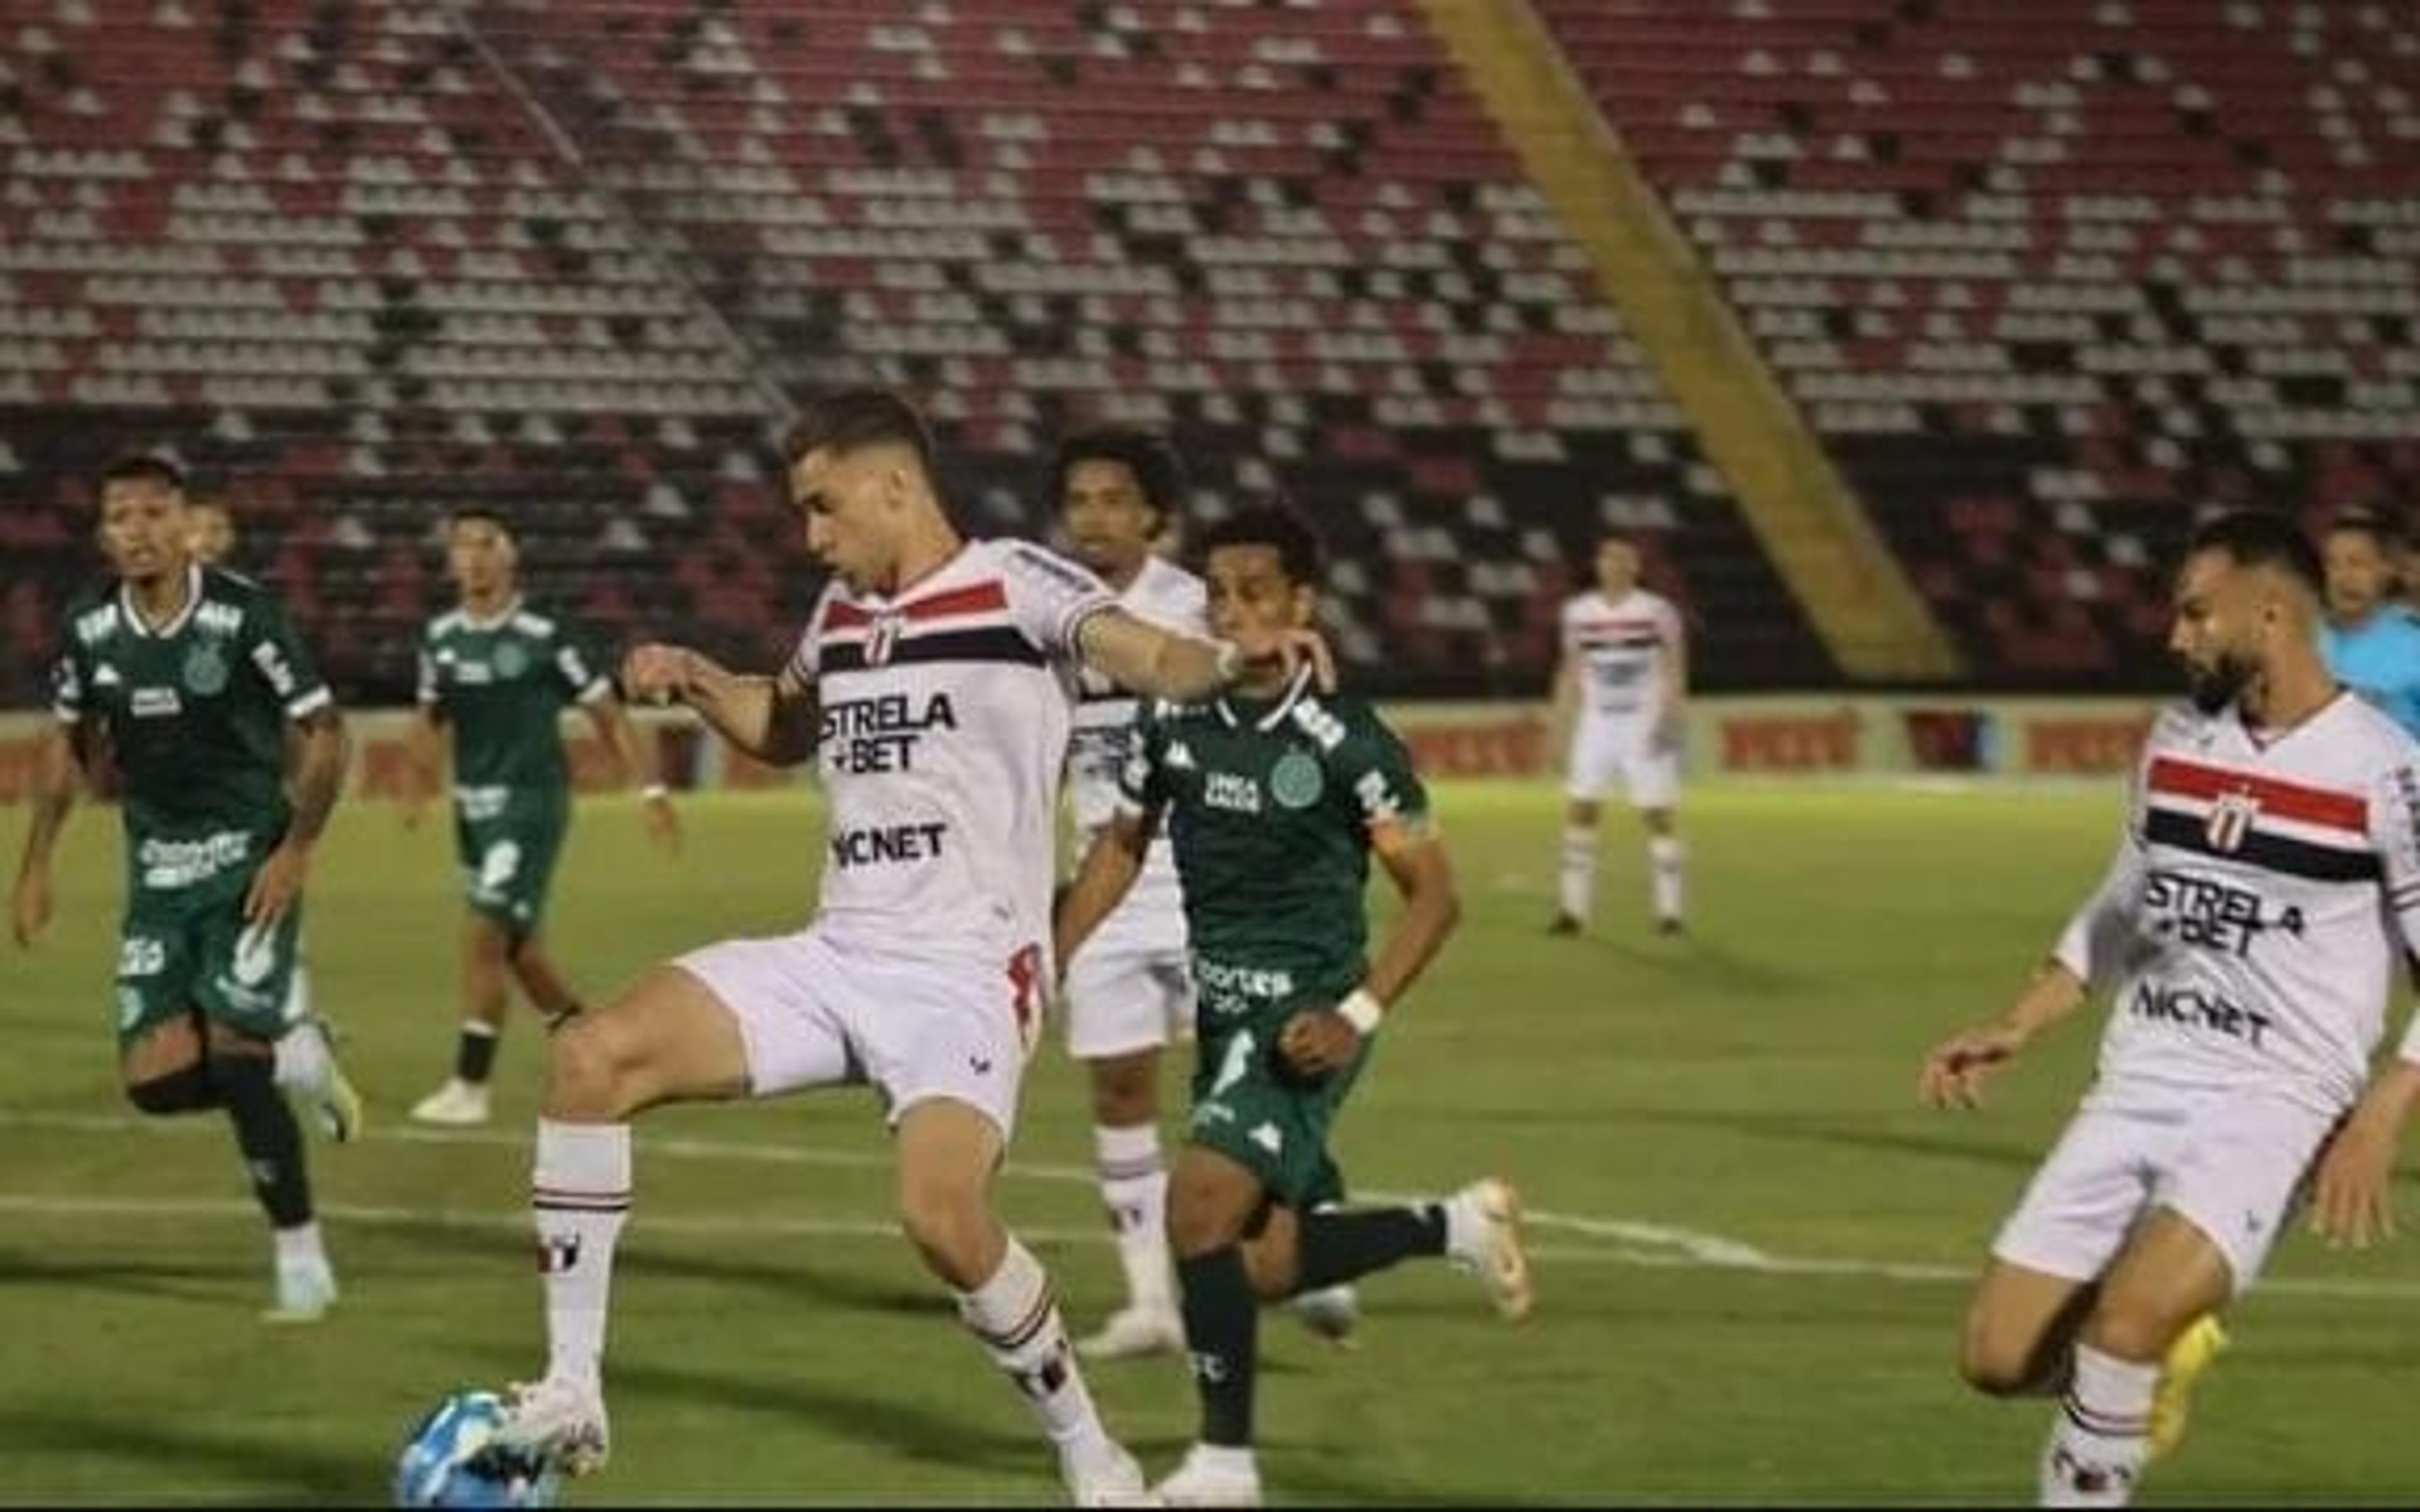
(167, 865)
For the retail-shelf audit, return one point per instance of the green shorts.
(1252, 1108)
(190, 949)
(509, 854)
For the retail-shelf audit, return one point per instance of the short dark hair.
(855, 418)
(480, 515)
(1158, 471)
(2261, 538)
(2364, 522)
(144, 467)
(1270, 525)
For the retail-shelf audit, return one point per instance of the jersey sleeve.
(1374, 767)
(577, 668)
(69, 678)
(1049, 597)
(2395, 831)
(284, 663)
(2096, 942)
(1141, 790)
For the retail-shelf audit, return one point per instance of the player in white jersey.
(1129, 990)
(1620, 692)
(2252, 923)
(933, 687)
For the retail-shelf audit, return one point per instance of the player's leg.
(1117, 1011)
(2230, 1178)
(1213, 1200)
(673, 1036)
(2021, 1331)
(241, 984)
(1575, 879)
(306, 1063)
(947, 1053)
(1654, 776)
(1478, 1229)
(2169, 1275)
(542, 982)
(485, 956)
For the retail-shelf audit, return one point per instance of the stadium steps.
(1871, 617)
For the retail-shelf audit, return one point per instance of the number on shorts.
(1025, 987)
(1238, 1060)
(140, 955)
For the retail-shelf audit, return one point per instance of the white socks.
(1664, 857)
(580, 1199)
(1134, 1189)
(298, 1245)
(2103, 1435)
(1577, 890)
(1015, 1316)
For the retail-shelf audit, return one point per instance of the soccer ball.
(448, 1460)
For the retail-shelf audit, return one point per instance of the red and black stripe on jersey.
(2318, 834)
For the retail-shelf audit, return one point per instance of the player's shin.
(1015, 1316)
(1222, 1332)
(1576, 888)
(2102, 1433)
(1666, 864)
(1134, 1190)
(580, 1199)
(1336, 1246)
(265, 1130)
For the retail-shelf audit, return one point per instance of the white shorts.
(2232, 1165)
(1601, 752)
(1123, 998)
(816, 1014)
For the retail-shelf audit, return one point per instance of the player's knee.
(591, 1074)
(1202, 1217)
(1994, 1370)
(2137, 1326)
(187, 1090)
(1123, 1094)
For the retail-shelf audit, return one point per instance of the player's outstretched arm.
(424, 763)
(1416, 861)
(1102, 879)
(634, 753)
(319, 751)
(1955, 1071)
(776, 719)
(1144, 658)
(53, 799)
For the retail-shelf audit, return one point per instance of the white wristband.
(1362, 1012)
(654, 791)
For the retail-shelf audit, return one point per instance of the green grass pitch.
(1753, 1243)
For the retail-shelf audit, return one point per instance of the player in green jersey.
(1276, 795)
(181, 682)
(498, 676)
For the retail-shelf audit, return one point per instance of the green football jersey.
(195, 714)
(503, 684)
(1272, 808)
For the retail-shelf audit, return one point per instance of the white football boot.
(306, 1289)
(1212, 1477)
(1482, 1235)
(1332, 1313)
(1137, 1330)
(1101, 1473)
(458, 1102)
(557, 1421)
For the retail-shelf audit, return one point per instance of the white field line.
(1613, 1240)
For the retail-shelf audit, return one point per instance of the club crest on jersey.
(2230, 821)
(205, 670)
(882, 639)
(511, 660)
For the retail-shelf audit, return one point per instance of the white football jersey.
(1621, 649)
(945, 713)
(1172, 598)
(2259, 908)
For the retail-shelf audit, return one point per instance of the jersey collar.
(1278, 711)
(176, 621)
(503, 616)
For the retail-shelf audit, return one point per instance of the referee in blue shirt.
(2371, 640)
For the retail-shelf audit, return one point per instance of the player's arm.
(2089, 949)
(319, 751)
(776, 719)
(1675, 674)
(1415, 860)
(52, 796)
(1157, 663)
(423, 761)
(634, 753)
(1102, 880)
(2351, 1182)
